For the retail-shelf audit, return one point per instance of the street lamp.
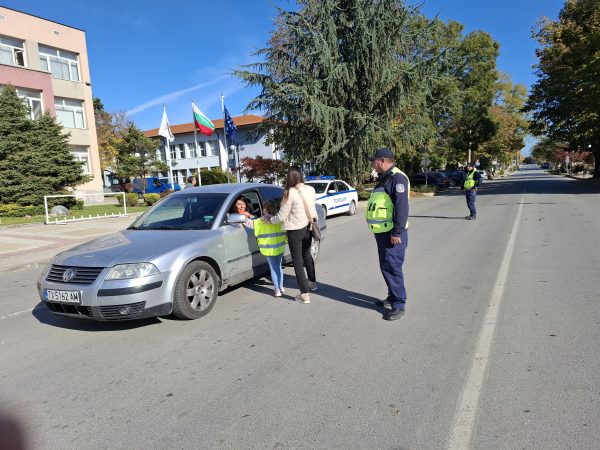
(143, 157)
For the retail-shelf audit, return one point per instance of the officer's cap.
(382, 153)
(470, 164)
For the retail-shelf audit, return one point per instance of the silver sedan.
(174, 259)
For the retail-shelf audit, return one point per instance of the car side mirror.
(331, 191)
(236, 218)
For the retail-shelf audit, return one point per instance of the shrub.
(363, 191)
(424, 188)
(14, 210)
(151, 199)
(163, 194)
(576, 168)
(131, 199)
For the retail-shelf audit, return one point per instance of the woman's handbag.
(312, 222)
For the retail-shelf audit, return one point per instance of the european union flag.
(230, 127)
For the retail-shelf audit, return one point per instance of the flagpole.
(225, 132)
(168, 149)
(197, 148)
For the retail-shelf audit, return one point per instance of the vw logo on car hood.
(69, 273)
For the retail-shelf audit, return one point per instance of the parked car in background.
(457, 176)
(154, 185)
(483, 174)
(174, 259)
(430, 178)
(446, 181)
(545, 166)
(334, 196)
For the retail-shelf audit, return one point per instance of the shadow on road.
(328, 291)
(45, 316)
(437, 217)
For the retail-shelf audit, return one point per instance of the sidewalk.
(29, 246)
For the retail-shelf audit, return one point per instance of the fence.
(82, 217)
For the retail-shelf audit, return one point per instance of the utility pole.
(469, 148)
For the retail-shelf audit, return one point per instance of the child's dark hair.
(271, 206)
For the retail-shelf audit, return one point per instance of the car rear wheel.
(315, 246)
(196, 291)
(352, 208)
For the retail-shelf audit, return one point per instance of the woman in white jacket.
(295, 221)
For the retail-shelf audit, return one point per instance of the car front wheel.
(196, 291)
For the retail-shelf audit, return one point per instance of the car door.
(342, 199)
(242, 256)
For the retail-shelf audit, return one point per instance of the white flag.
(165, 129)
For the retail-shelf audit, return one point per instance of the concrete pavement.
(33, 245)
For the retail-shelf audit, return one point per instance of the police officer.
(387, 218)
(470, 187)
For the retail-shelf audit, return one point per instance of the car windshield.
(194, 211)
(319, 187)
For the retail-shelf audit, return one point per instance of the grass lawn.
(92, 210)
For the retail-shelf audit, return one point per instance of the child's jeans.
(276, 270)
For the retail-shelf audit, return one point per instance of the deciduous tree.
(565, 100)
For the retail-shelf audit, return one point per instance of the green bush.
(151, 199)
(363, 191)
(14, 210)
(424, 188)
(213, 176)
(131, 199)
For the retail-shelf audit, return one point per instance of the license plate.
(63, 296)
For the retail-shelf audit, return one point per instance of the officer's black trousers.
(299, 242)
(391, 259)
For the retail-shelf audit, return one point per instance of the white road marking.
(464, 418)
(16, 313)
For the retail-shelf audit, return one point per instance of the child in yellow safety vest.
(271, 240)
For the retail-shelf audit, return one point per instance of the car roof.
(226, 188)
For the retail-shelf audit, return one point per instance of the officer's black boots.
(394, 314)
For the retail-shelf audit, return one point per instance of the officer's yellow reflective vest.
(469, 181)
(271, 237)
(380, 209)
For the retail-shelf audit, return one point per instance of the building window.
(33, 101)
(69, 112)
(12, 51)
(161, 153)
(60, 63)
(81, 154)
(192, 148)
(172, 152)
(181, 151)
(211, 148)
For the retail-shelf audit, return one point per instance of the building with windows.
(47, 64)
(187, 152)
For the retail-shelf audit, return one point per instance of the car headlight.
(128, 271)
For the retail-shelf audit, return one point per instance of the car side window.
(331, 187)
(341, 186)
(253, 205)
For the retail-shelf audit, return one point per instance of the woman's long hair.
(294, 177)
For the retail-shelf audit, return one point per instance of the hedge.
(131, 199)
(151, 199)
(14, 210)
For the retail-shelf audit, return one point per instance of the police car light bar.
(320, 177)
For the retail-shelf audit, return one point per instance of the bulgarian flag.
(201, 122)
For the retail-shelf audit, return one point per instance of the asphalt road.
(498, 349)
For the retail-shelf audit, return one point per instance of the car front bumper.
(111, 300)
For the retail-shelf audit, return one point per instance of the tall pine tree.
(35, 159)
(335, 77)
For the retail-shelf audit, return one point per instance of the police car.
(335, 196)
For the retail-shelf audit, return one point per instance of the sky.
(146, 54)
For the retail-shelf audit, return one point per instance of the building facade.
(211, 151)
(47, 63)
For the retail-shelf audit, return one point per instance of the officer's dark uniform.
(470, 191)
(391, 257)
